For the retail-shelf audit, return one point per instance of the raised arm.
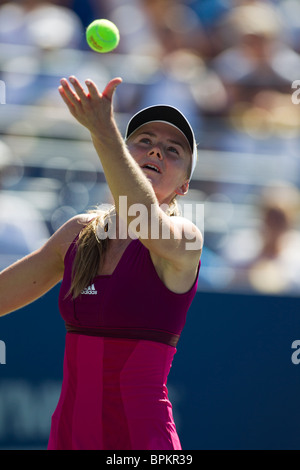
(94, 110)
(124, 176)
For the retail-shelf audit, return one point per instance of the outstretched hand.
(92, 109)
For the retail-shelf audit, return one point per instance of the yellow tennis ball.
(102, 35)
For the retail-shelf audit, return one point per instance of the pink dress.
(122, 333)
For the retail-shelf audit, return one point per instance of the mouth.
(152, 167)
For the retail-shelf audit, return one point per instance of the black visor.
(163, 113)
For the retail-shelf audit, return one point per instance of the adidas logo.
(90, 290)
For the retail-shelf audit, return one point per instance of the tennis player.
(124, 299)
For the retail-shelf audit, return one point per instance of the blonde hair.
(91, 250)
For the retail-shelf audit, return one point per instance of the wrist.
(107, 134)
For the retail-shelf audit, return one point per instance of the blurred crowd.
(229, 66)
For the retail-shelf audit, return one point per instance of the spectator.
(176, 25)
(37, 30)
(257, 56)
(267, 258)
(40, 24)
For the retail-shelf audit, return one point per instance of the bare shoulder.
(183, 250)
(65, 235)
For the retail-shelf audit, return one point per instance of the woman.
(124, 298)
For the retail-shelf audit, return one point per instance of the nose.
(156, 152)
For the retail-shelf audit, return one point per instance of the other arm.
(31, 277)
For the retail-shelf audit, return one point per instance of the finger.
(93, 90)
(71, 95)
(108, 91)
(111, 88)
(78, 87)
(66, 99)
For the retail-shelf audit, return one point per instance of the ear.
(183, 189)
